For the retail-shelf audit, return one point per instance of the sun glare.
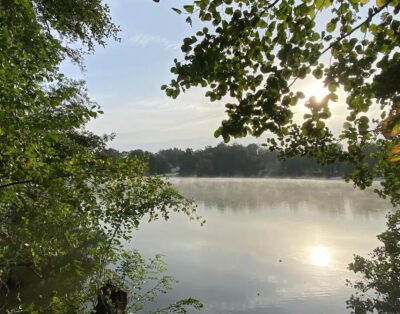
(320, 256)
(316, 90)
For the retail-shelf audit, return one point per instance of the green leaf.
(262, 24)
(300, 95)
(189, 8)
(318, 73)
(229, 10)
(177, 10)
(380, 3)
(207, 17)
(332, 86)
(364, 28)
(322, 4)
(330, 27)
(334, 97)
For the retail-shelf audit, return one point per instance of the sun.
(320, 256)
(316, 90)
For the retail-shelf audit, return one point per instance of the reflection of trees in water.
(64, 276)
(80, 282)
(79, 273)
(260, 194)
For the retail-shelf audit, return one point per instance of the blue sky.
(125, 79)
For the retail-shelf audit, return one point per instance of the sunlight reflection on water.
(268, 246)
(320, 256)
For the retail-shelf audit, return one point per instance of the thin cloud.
(145, 40)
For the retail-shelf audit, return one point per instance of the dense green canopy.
(63, 202)
(236, 161)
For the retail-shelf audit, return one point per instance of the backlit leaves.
(258, 51)
(323, 4)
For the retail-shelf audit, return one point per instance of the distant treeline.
(234, 160)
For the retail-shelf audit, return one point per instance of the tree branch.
(367, 20)
(144, 296)
(32, 180)
(15, 183)
(339, 39)
(22, 264)
(270, 6)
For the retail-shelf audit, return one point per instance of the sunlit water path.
(269, 245)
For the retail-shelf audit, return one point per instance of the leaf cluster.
(58, 189)
(251, 55)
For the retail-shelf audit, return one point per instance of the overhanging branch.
(339, 39)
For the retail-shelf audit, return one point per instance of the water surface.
(269, 245)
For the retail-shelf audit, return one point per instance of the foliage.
(58, 190)
(379, 288)
(142, 280)
(236, 160)
(133, 272)
(252, 56)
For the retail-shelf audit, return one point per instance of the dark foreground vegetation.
(65, 206)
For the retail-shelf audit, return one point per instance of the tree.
(380, 274)
(187, 162)
(252, 54)
(59, 187)
(236, 160)
(257, 50)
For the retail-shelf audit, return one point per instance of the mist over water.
(269, 245)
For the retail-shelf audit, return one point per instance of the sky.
(125, 79)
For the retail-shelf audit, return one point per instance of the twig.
(36, 272)
(143, 296)
(15, 183)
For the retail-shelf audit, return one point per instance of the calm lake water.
(269, 245)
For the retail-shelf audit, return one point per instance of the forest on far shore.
(235, 160)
